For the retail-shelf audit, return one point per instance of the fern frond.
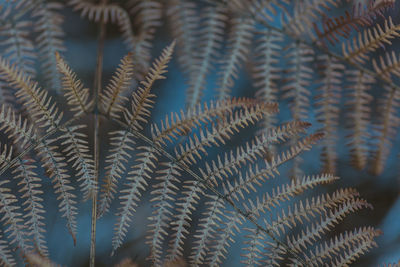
(255, 175)
(304, 210)
(112, 99)
(359, 114)
(265, 72)
(16, 127)
(207, 228)
(6, 155)
(210, 37)
(54, 163)
(287, 191)
(237, 49)
(39, 260)
(184, 24)
(218, 249)
(77, 151)
(333, 29)
(6, 258)
(12, 218)
(301, 20)
(147, 15)
(311, 234)
(18, 48)
(232, 164)
(140, 109)
(254, 244)
(49, 39)
(35, 99)
(328, 101)
(354, 243)
(387, 67)
(77, 96)
(386, 129)
(141, 99)
(192, 118)
(370, 40)
(31, 189)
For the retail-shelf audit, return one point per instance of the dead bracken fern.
(200, 176)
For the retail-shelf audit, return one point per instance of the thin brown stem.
(97, 89)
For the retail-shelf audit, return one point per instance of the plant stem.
(97, 89)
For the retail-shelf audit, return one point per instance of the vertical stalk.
(97, 89)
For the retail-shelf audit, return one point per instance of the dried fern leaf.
(49, 39)
(184, 23)
(17, 46)
(77, 151)
(386, 129)
(141, 103)
(34, 98)
(77, 96)
(231, 164)
(347, 246)
(209, 38)
(6, 257)
(239, 43)
(254, 241)
(146, 18)
(16, 127)
(234, 189)
(54, 163)
(183, 123)
(218, 248)
(301, 242)
(265, 72)
(386, 67)
(328, 101)
(112, 100)
(370, 40)
(12, 218)
(206, 229)
(358, 115)
(33, 205)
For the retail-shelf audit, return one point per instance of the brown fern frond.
(386, 129)
(237, 49)
(333, 29)
(184, 24)
(265, 71)
(347, 247)
(17, 46)
(254, 241)
(387, 67)
(370, 40)
(185, 122)
(328, 101)
(218, 249)
(358, 116)
(141, 103)
(33, 97)
(234, 189)
(38, 260)
(55, 164)
(210, 37)
(147, 17)
(77, 152)
(141, 99)
(231, 164)
(112, 100)
(16, 127)
(6, 155)
(49, 39)
(12, 218)
(6, 258)
(33, 205)
(310, 235)
(77, 96)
